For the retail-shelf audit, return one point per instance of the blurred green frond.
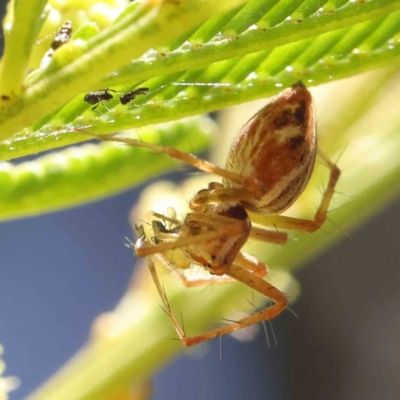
(85, 173)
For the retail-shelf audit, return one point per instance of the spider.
(269, 165)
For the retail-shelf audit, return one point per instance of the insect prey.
(269, 164)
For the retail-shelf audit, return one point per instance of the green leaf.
(82, 64)
(245, 40)
(81, 174)
(20, 32)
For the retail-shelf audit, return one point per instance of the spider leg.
(268, 236)
(218, 225)
(160, 289)
(143, 250)
(163, 217)
(245, 269)
(234, 195)
(248, 262)
(225, 195)
(164, 299)
(251, 264)
(305, 225)
(253, 185)
(179, 330)
(241, 274)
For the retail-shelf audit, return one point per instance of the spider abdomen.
(277, 147)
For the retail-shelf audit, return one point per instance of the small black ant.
(131, 95)
(98, 97)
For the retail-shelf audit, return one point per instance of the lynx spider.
(268, 166)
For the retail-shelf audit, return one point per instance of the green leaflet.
(80, 174)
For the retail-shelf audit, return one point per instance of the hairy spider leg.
(305, 225)
(250, 186)
(238, 270)
(258, 268)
